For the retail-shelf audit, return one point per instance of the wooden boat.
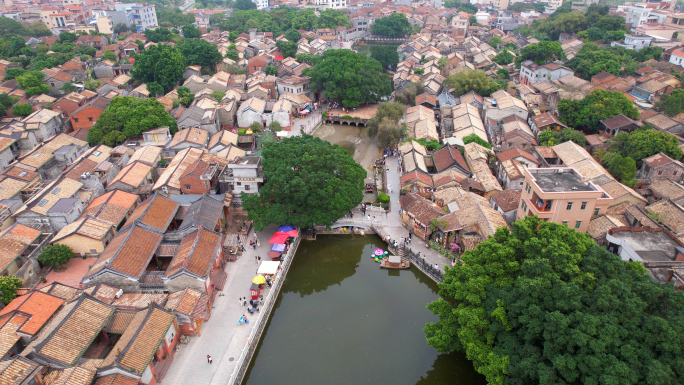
(395, 262)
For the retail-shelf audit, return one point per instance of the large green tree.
(32, 83)
(287, 48)
(466, 81)
(199, 52)
(127, 116)
(542, 52)
(191, 32)
(8, 288)
(160, 63)
(395, 25)
(386, 55)
(244, 5)
(308, 181)
(599, 104)
(543, 304)
(643, 143)
(670, 105)
(349, 77)
(332, 18)
(56, 255)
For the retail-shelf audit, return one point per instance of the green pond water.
(340, 319)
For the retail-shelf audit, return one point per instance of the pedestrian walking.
(436, 267)
(256, 260)
(389, 188)
(410, 235)
(209, 360)
(244, 300)
(240, 301)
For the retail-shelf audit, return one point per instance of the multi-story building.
(261, 4)
(561, 195)
(104, 25)
(530, 72)
(243, 174)
(142, 14)
(335, 4)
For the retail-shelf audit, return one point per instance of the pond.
(340, 319)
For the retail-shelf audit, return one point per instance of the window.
(97, 153)
(246, 187)
(43, 202)
(584, 206)
(188, 187)
(524, 207)
(660, 173)
(577, 224)
(37, 154)
(239, 183)
(55, 191)
(569, 207)
(22, 174)
(76, 120)
(596, 211)
(565, 223)
(90, 119)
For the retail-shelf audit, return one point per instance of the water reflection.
(340, 319)
(319, 265)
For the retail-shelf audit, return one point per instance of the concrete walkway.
(222, 337)
(390, 223)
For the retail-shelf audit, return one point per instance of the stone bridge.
(348, 121)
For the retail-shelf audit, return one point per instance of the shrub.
(383, 198)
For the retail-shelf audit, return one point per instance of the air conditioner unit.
(165, 190)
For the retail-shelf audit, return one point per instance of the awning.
(279, 238)
(278, 247)
(394, 259)
(274, 254)
(268, 267)
(286, 228)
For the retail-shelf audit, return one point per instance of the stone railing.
(262, 319)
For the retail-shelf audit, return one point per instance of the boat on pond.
(395, 262)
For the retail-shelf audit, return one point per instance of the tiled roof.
(71, 376)
(61, 291)
(16, 370)
(516, 153)
(670, 214)
(9, 326)
(128, 253)
(664, 188)
(617, 121)
(13, 242)
(140, 341)
(112, 207)
(508, 200)
(195, 254)
(71, 332)
(139, 300)
(223, 137)
(120, 321)
(37, 306)
(146, 154)
(448, 176)
(176, 168)
(204, 212)
(598, 227)
(189, 302)
(102, 292)
(86, 226)
(133, 174)
(658, 160)
(420, 208)
(116, 379)
(448, 156)
(193, 135)
(157, 211)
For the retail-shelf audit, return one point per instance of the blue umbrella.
(278, 247)
(286, 228)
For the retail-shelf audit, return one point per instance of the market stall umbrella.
(259, 280)
(285, 228)
(278, 238)
(274, 254)
(278, 247)
(269, 267)
(292, 233)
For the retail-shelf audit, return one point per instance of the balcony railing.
(540, 205)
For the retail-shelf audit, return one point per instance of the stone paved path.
(222, 337)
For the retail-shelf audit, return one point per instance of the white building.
(143, 14)
(261, 4)
(530, 72)
(639, 14)
(335, 4)
(677, 57)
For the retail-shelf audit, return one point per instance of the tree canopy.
(386, 55)
(191, 32)
(466, 81)
(552, 137)
(349, 77)
(32, 83)
(199, 52)
(475, 138)
(56, 255)
(160, 63)
(8, 288)
(128, 116)
(279, 20)
(599, 104)
(394, 25)
(542, 52)
(543, 304)
(503, 58)
(308, 181)
(287, 48)
(643, 143)
(244, 5)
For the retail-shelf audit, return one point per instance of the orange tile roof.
(116, 379)
(142, 338)
(39, 306)
(8, 331)
(195, 254)
(112, 206)
(14, 241)
(157, 211)
(128, 253)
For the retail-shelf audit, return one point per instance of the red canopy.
(273, 254)
(279, 238)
